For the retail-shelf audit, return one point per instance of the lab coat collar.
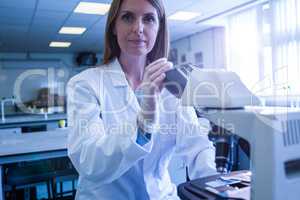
(117, 74)
(120, 82)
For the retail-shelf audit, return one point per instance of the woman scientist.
(124, 125)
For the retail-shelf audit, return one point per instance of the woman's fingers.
(157, 61)
(158, 80)
(165, 67)
(155, 74)
(152, 67)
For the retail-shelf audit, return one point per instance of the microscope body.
(274, 137)
(273, 133)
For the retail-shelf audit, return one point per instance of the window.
(286, 46)
(243, 47)
(263, 45)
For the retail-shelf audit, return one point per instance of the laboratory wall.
(204, 49)
(24, 75)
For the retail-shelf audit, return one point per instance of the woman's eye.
(127, 17)
(150, 19)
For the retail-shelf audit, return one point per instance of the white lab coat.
(102, 112)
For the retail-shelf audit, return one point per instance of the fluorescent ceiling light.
(92, 8)
(183, 16)
(72, 30)
(60, 44)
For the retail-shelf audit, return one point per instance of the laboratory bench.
(31, 147)
(15, 119)
(27, 123)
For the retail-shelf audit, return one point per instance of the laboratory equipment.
(3, 101)
(273, 133)
(234, 185)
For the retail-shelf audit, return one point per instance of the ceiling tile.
(173, 5)
(13, 29)
(82, 19)
(51, 15)
(18, 4)
(13, 43)
(41, 34)
(14, 21)
(49, 19)
(57, 5)
(16, 15)
(40, 24)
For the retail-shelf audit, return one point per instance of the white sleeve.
(193, 145)
(99, 153)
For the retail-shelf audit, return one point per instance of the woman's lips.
(138, 42)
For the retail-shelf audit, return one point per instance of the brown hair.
(161, 46)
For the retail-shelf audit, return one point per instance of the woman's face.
(136, 27)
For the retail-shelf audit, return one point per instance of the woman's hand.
(154, 75)
(150, 88)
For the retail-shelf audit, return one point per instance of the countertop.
(33, 142)
(27, 118)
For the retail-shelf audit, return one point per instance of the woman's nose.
(138, 27)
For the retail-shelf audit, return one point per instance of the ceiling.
(30, 25)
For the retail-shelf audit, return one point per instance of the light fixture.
(92, 8)
(72, 30)
(183, 16)
(60, 44)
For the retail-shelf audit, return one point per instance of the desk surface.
(33, 142)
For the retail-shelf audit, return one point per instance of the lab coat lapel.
(120, 83)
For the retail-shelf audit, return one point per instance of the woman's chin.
(138, 52)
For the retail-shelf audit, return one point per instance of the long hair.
(161, 46)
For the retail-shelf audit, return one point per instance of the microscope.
(272, 132)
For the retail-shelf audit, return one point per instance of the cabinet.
(6, 131)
